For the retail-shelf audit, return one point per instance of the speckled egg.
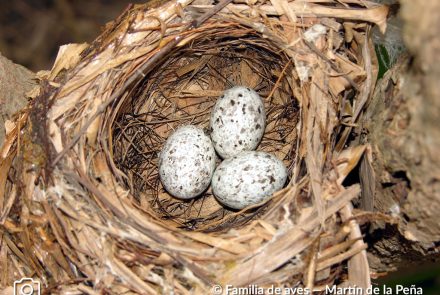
(237, 121)
(187, 162)
(247, 179)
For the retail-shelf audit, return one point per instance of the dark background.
(32, 30)
(426, 276)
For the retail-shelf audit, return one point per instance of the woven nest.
(82, 208)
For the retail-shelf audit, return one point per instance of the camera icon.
(27, 286)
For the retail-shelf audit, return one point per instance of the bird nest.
(81, 206)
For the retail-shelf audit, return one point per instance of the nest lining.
(182, 91)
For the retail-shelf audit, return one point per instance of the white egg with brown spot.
(237, 121)
(187, 162)
(248, 179)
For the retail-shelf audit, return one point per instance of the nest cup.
(82, 209)
(183, 90)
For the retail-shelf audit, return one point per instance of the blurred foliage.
(383, 59)
(31, 31)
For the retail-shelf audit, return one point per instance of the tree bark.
(402, 124)
(15, 81)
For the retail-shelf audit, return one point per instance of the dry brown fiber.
(68, 215)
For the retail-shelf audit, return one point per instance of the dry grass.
(81, 206)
